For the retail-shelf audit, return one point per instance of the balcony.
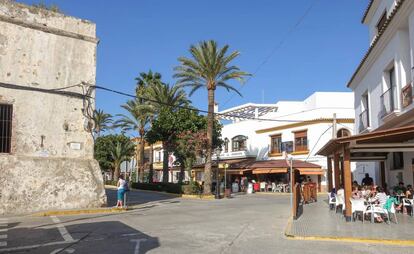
(363, 121)
(387, 102)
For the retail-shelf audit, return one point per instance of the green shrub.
(111, 182)
(191, 188)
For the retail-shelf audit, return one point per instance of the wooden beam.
(336, 171)
(329, 174)
(347, 183)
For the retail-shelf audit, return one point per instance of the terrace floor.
(318, 220)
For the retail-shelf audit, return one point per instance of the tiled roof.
(374, 43)
(367, 10)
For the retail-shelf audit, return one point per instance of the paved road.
(245, 224)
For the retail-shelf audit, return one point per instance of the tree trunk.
(116, 173)
(181, 176)
(141, 158)
(151, 166)
(209, 150)
(165, 163)
(137, 163)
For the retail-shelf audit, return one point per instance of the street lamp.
(218, 152)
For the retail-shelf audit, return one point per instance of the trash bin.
(235, 187)
(227, 193)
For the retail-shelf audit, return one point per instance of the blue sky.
(137, 35)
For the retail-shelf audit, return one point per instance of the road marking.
(3, 236)
(138, 242)
(64, 250)
(3, 229)
(3, 244)
(36, 246)
(129, 234)
(62, 230)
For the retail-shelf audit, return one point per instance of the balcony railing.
(387, 101)
(363, 121)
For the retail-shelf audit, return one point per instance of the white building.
(300, 128)
(382, 83)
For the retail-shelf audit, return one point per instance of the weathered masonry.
(46, 148)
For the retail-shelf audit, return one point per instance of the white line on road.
(62, 230)
(3, 244)
(36, 246)
(129, 234)
(3, 236)
(3, 229)
(138, 242)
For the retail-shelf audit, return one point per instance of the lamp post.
(218, 152)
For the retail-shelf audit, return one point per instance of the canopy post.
(336, 171)
(330, 185)
(347, 183)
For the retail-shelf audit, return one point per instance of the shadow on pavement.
(98, 237)
(137, 197)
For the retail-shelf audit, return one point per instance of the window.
(381, 22)
(239, 143)
(226, 145)
(343, 133)
(364, 116)
(276, 144)
(301, 141)
(398, 160)
(6, 113)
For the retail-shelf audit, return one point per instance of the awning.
(376, 142)
(269, 171)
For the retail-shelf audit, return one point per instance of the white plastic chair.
(357, 206)
(409, 203)
(339, 201)
(332, 200)
(394, 212)
(376, 209)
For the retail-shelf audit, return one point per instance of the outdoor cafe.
(393, 151)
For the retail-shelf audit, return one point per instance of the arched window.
(238, 143)
(343, 133)
(226, 145)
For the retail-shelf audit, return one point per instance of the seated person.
(400, 189)
(356, 192)
(341, 192)
(409, 192)
(380, 198)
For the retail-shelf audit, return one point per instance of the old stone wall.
(50, 141)
(31, 184)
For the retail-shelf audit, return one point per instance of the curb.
(79, 211)
(185, 196)
(345, 239)
(273, 193)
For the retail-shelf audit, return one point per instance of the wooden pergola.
(372, 146)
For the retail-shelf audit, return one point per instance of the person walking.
(121, 191)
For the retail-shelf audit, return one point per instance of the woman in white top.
(121, 191)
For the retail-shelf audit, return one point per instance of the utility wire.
(192, 108)
(276, 48)
(309, 154)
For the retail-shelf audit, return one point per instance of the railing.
(387, 101)
(363, 121)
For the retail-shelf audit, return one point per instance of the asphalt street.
(162, 224)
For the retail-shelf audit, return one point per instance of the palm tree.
(164, 96)
(120, 152)
(209, 68)
(138, 117)
(144, 82)
(101, 121)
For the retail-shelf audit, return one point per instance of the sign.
(287, 146)
(75, 145)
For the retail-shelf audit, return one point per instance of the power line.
(276, 48)
(309, 154)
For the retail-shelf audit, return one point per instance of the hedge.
(168, 187)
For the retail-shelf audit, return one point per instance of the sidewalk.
(319, 223)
